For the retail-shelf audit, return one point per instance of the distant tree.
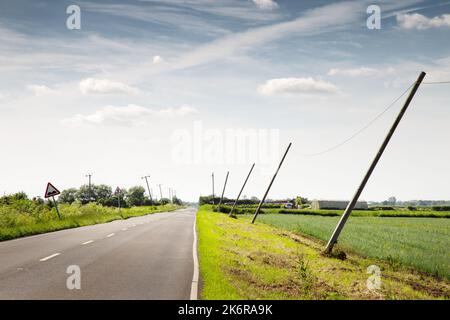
(102, 193)
(207, 200)
(136, 196)
(84, 194)
(177, 201)
(68, 195)
(392, 201)
(300, 201)
(164, 201)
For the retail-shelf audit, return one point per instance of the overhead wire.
(358, 132)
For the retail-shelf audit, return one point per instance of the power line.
(436, 82)
(360, 130)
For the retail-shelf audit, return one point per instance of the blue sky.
(122, 96)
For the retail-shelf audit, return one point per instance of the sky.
(178, 89)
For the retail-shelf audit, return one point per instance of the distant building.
(336, 205)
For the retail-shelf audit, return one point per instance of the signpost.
(51, 191)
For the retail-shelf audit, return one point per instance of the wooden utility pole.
(89, 176)
(160, 190)
(148, 187)
(270, 185)
(213, 201)
(242, 189)
(223, 191)
(352, 203)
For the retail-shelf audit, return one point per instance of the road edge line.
(195, 276)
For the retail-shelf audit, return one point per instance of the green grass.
(25, 218)
(239, 260)
(422, 243)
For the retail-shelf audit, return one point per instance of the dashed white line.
(87, 242)
(124, 229)
(110, 235)
(49, 257)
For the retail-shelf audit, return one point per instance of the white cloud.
(157, 59)
(297, 86)
(127, 116)
(40, 90)
(421, 22)
(360, 72)
(105, 86)
(266, 4)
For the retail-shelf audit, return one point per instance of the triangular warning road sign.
(51, 191)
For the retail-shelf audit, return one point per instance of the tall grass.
(24, 217)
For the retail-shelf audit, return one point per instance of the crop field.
(398, 212)
(24, 217)
(239, 260)
(422, 243)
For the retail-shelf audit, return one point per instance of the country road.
(148, 257)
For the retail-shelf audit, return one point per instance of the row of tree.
(297, 202)
(104, 195)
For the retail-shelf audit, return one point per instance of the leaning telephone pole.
(223, 191)
(213, 188)
(148, 186)
(351, 204)
(270, 185)
(160, 190)
(242, 189)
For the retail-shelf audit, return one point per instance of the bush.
(440, 208)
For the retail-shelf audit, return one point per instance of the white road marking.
(124, 229)
(87, 242)
(194, 285)
(49, 257)
(110, 235)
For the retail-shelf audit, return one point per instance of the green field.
(398, 212)
(422, 243)
(25, 217)
(239, 260)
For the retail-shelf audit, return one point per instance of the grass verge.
(243, 261)
(14, 225)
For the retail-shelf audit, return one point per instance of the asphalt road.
(148, 257)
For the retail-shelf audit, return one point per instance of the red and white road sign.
(118, 190)
(51, 191)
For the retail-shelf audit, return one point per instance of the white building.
(336, 205)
